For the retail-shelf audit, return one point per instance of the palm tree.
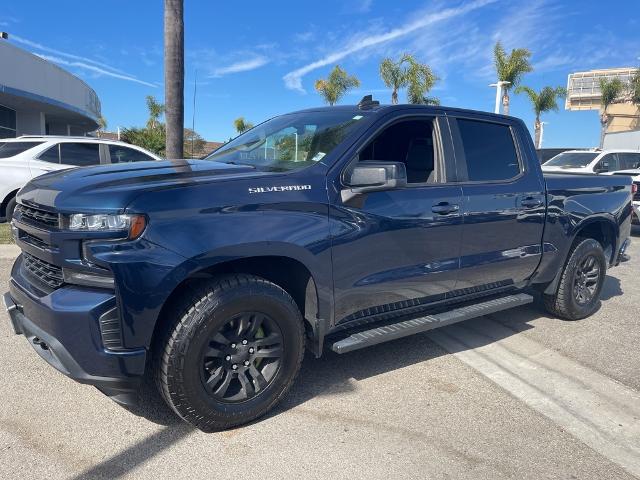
(102, 125)
(510, 68)
(242, 125)
(610, 92)
(543, 101)
(420, 79)
(407, 72)
(174, 76)
(634, 88)
(394, 76)
(336, 85)
(156, 109)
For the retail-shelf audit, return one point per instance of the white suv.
(28, 156)
(593, 161)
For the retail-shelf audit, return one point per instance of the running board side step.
(405, 328)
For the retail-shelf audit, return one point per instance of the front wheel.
(11, 206)
(578, 294)
(232, 352)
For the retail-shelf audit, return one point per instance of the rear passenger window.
(489, 151)
(51, 155)
(120, 154)
(80, 154)
(629, 161)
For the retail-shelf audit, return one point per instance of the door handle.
(531, 202)
(445, 208)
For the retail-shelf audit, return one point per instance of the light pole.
(542, 124)
(499, 86)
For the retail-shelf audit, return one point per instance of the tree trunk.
(604, 122)
(537, 128)
(505, 102)
(174, 77)
(394, 97)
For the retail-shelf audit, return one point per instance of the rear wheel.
(232, 352)
(578, 294)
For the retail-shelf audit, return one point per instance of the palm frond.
(512, 67)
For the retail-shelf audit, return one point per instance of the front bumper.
(63, 328)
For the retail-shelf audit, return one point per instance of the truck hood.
(109, 188)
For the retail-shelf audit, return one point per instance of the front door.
(399, 249)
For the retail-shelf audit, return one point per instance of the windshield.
(10, 149)
(572, 159)
(289, 142)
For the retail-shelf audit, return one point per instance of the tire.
(578, 277)
(11, 206)
(203, 343)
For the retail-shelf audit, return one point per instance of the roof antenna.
(367, 102)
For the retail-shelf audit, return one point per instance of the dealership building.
(39, 98)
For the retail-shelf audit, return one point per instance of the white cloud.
(241, 66)
(95, 69)
(42, 48)
(293, 79)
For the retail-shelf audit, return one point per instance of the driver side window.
(410, 142)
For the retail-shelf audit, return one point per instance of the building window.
(7, 122)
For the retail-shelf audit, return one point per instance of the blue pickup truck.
(331, 228)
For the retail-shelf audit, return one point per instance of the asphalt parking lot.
(513, 395)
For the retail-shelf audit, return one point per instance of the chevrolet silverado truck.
(330, 228)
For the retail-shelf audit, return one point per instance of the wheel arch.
(600, 228)
(289, 273)
(5, 201)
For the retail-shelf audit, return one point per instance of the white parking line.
(595, 409)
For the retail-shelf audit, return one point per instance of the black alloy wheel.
(242, 358)
(585, 282)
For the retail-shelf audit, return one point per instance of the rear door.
(503, 203)
(398, 249)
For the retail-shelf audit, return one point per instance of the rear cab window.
(489, 150)
(11, 149)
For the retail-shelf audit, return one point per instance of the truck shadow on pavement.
(335, 374)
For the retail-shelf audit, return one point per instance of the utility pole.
(174, 77)
(498, 87)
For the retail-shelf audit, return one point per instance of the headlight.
(133, 224)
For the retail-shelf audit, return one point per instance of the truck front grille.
(42, 271)
(39, 217)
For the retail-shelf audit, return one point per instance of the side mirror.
(376, 176)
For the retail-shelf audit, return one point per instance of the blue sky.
(259, 59)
